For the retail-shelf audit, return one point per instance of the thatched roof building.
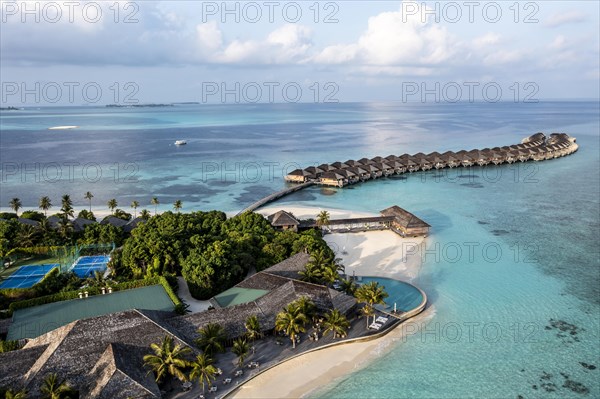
(405, 223)
(284, 221)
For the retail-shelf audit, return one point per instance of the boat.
(180, 142)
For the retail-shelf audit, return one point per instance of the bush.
(33, 215)
(8, 215)
(7, 346)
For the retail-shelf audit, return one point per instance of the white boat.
(180, 142)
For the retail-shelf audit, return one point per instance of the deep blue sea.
(511, 269)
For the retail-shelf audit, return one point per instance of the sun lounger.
(213, 389)
(375, 326)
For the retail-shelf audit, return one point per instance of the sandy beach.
(376, 253)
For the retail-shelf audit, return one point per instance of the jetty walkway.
(276, 196)
(537, 147)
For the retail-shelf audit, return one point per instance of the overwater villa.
(536, 147)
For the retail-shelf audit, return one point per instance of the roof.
(35, 321)
(82, 352)
(290, 267)
(80, 223)
(29, 222)
(404, 218)
(133, 223)
(115, 221)
(237, 296)
(282, 218)
(332, 176)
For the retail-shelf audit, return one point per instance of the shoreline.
(308, 373)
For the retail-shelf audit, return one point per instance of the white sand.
(374, 253)
(371, 253)
(305, 374)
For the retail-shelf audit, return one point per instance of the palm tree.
(291, 321)
(306, 306)
(134, 205)
(154, 201)
(240, 349)
(55, 388)
(372, 294)
(45, 204)
(329, 274)
(203, 370)
(323, 219)
(65, 227)
(368, 311)
(336, 323)
(349, 286)
(97, 279)
(252, 328)
(112, 204)
(310, 274)
(211, 339)
(15, 205)
(26, 235)
(88, 196)
(144, 214)
(67, 206)
(10, 394)
(177, 205)
(167, 359)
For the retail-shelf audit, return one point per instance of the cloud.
(563, 18)
(392, 39)
(558, 43)
(485, 41)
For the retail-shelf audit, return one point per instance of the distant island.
(10, 109)
(138, 105)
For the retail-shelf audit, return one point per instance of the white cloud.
(503, 57)
(558, 43)
(485, 41)
(563, 18)
(392, 39)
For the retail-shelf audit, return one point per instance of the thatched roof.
(357, 170)
(282, 218)
(339, 165)
(80, 223)
(326, 167)
(133, 223)
(345, 172)
(403, 217)
(29, 222)
(117, 374)
(76, 349)
(299, 172)
(290, 267)
(332, 176)
(115, 221)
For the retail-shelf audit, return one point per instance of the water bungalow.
(298, 176)
(536, 147)
(360, 173)
(405, 223)
(333, 179)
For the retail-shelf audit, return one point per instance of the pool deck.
(268, 353)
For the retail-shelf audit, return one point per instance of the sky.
(95, 53)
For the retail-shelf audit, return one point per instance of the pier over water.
(537, 147)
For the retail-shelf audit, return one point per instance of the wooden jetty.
(277, 195)
(537, 147)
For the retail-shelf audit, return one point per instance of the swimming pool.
(406, 296)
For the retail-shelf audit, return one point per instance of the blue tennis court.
(27, 276)
(86, 266)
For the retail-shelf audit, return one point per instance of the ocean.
(511, 268)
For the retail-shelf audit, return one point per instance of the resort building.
(283, 220)
(298, 176)
(102, 356)
(405, 223)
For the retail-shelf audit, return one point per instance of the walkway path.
(195, 305)
(275, 196)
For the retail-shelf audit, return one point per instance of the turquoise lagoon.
(511, 269)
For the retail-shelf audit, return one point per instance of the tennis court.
(86, 266)
(27, 276)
